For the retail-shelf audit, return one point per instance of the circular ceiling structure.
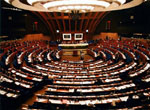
(68, 6)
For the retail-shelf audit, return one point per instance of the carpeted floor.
(76, 58)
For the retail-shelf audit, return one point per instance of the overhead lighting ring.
(56, 6)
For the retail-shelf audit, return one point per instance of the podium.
(74, 46)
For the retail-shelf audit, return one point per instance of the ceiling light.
(74, 5)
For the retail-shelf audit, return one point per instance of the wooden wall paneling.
(64, 26)
(69, 23)
(100, 19)
(50, 26)
(41, 18)
(87, 22)
(94, 18)
(52, 22)
(60, 30)
(75, 25)
(96, 21)
(82, 21)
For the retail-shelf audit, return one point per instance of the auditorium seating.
(117, 77)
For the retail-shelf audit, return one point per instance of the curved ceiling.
(57, 5)
(70, 22)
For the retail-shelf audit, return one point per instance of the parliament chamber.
(53, 61)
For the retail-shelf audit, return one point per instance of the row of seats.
(67, 88)
(117, 75)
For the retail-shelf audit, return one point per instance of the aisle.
(32, 99)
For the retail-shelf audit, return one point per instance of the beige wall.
(36, 37)
(104, 34)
